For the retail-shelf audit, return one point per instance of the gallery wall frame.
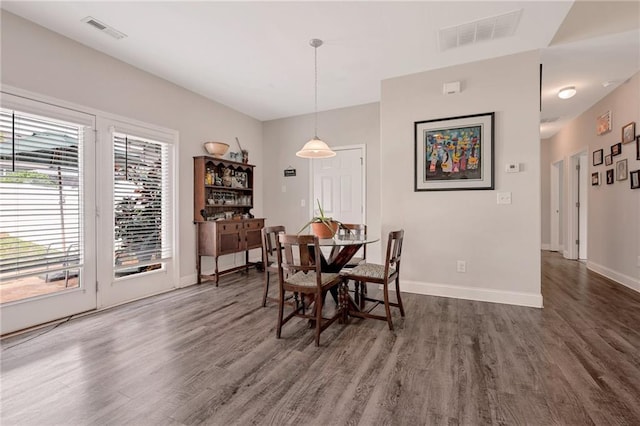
(629, 132)
(610, 177)
(635, 179)
(608, 160)
(616, 149)
(595, 179)
(454, 153)
(603, 123)
(597, 157)
(622, 172)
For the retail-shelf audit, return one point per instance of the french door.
(47, 213)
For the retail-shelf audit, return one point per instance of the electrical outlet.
(303, 202)
(461, 266)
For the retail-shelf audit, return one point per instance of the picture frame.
(608, 160)
(603, 123)
(621, 170)
(610, 177)
(635, 179)
(616, 149)
(597, 157)
(638, 147)
(629, 132)
(454, 153)
(595, 179)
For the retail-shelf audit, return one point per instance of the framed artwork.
(638, 148)
(616, 149)
(608, 160)
(595, 179)
(629, 132)
(603, 123)
(597, 157)
(635, 179)
(454, 153)
(621, 170)
(610, 177)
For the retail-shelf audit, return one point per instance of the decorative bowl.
(217, 149)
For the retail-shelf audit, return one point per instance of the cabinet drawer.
(227, 227)
(253, 224)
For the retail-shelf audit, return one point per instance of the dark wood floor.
(209, 355)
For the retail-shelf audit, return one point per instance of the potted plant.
(322, 226)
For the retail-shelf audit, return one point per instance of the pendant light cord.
(315, 51)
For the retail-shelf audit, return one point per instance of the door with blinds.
(47, 213)
(136, 218)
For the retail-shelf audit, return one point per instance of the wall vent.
(104, 28)
(491, 28)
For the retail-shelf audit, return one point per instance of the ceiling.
(255, 56)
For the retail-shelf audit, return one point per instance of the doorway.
(338, 183)
(577, 223)
(557, 202)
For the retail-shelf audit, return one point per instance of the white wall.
(41, 61)
(500, 243)
(613, 210)
(340, 127)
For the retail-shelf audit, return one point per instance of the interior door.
(47, 213)
(338, 184)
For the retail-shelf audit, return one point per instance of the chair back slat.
(394, 250)
(300, 253)
(269, 243)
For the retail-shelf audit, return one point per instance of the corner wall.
(613, 213)
(500, 243)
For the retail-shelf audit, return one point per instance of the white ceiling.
(254, 56)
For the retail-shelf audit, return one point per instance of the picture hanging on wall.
(616, 149)
(610, 177)
(629, 132)
(597, 157)
(603, 124)
(454, 153)
(635, 179)
(608, 160)
(621, 170)
(595, 179)
(638, 148)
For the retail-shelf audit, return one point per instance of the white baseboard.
(546, 247)
(625, 280)
(188, 280)
(471, 293)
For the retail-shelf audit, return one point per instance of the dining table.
(339, 251)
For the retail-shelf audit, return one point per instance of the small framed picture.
(608, 160)
(621, 170)
(616, 149)
(610, 177)
(595, 179)
(629, 132)
(597, 157)
(603, 123)
(635, 179)
(638, 147)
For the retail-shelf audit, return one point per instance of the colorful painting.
(454, 153)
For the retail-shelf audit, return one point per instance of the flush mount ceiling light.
(567, 92)
(316, 147)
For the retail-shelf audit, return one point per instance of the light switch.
(284, 188)
(512, 168)
(504, 198)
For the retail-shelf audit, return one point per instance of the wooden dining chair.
(269, 257)
(383, 275)
(299, 272)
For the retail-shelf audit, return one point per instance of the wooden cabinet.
(222, 189)
(220, 237)
(222, 200)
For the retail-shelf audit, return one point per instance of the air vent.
(549, 120)
(486, 29)
(104, 28)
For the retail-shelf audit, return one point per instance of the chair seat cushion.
(355, 261)
(309, 279)
(371, 270)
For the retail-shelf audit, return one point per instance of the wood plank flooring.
(207, 355)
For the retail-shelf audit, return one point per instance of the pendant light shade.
(316, 147)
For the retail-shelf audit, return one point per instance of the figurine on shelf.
(218, 179)
(226, 177)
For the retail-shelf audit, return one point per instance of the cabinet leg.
(217, 275)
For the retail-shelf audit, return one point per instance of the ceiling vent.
(104, 28)
(499, 26)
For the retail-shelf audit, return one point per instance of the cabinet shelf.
(227, 188)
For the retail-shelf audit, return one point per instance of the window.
(40, 197)
(142, 204)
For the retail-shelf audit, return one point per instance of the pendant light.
(316, 147)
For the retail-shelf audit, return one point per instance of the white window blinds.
(40, 195)
(142, 203)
